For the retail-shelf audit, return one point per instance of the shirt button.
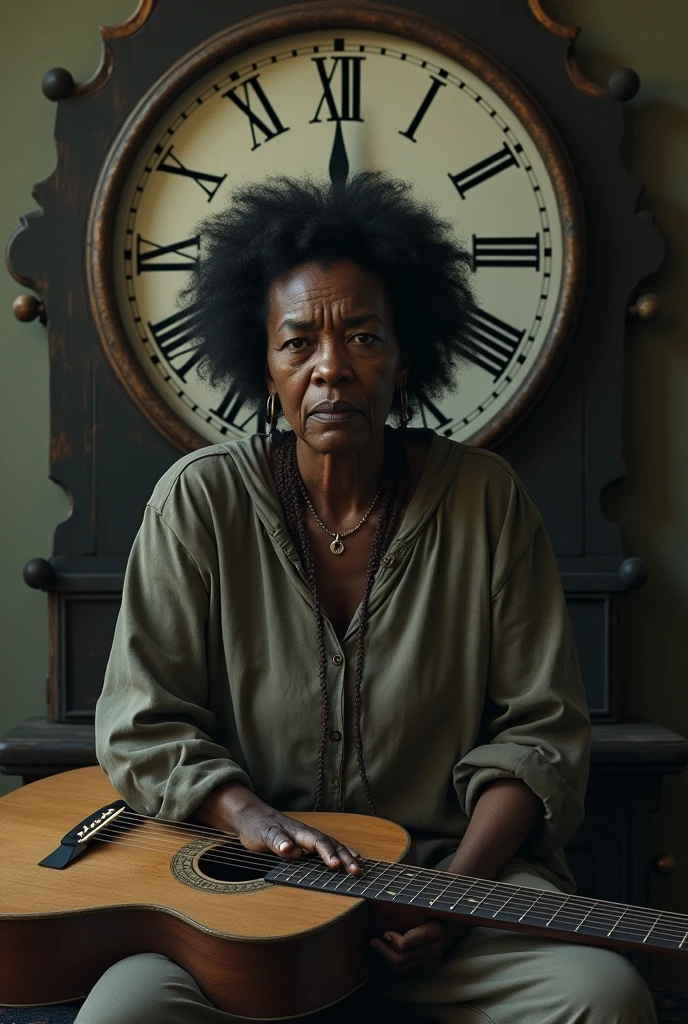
(387, 560)
(337, 659)
(335, 783)
(335, 736)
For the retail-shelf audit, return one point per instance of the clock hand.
(339, 161)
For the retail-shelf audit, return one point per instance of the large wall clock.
(378, 89)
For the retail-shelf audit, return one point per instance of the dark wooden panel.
(131, 459)
(85, 626)
(592, 621)
(547, 453)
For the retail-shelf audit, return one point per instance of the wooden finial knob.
(623, 84)
(38, 573)
(27, 308)
(646, 307)
(633, 572)
(57, 84)
(663, 863)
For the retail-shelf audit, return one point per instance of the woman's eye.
(296, 344)
(366, 339)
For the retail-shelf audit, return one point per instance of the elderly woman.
(346, 616)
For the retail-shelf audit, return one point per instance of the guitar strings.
(598, 908)
(226, 837)
(203, 830)
(628, 911)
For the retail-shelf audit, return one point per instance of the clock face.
(327, 104)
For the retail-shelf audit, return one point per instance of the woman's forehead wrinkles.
(311, 310)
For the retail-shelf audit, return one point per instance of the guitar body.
(256, 950)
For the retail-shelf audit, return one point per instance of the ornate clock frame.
(105, 451)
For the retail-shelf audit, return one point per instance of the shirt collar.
(251, 459)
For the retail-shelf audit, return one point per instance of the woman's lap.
(491, 977)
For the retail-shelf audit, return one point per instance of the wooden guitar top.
(136, 872)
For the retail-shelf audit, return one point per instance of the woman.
(351, 617)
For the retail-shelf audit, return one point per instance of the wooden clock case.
(107, 454)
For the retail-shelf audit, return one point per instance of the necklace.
(337, 546)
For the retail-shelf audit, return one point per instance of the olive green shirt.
(470, 668)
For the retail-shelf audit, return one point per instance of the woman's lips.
(335, 417)
(334, 412)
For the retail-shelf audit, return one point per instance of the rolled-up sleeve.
(154, 731)
(535, 725)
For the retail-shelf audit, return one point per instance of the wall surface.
(651, 504)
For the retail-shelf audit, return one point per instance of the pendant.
(336, 547)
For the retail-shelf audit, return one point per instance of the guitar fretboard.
(497, 904)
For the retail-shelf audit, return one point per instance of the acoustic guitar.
(264, 937)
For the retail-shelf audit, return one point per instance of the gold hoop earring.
(275, 433)
(405, 414)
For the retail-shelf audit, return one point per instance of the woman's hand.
(260, 827)
(263, 828)
(420, 946)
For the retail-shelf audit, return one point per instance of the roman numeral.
(435, 87)
(232, 409)
(490, 343)
(349, 75)
(483, 170)
(428, 408)
(266, 122)
(176, 337)
(177, 256)
(210, 183)
(514, 251)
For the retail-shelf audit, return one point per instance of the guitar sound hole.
(220, 864)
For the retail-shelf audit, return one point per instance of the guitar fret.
(557, 912)
(317, 872)
(441, 893)
(483, 900)
(420, 891)
(508, 900)
(371, 882)
(530, 907)
(587, 915)
(395, 894)
(651, 929)
(615, 926)
(545, 909)
(464, 895)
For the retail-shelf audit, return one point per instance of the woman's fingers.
(402, 962)
(336, 855)
(418, 947)
(332, 853)
(277, 839)
(416, 938)
(288, 838)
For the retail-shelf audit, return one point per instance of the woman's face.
(333, 357)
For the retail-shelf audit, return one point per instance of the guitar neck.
(498, 905)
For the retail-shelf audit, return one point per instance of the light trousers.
(489, 977)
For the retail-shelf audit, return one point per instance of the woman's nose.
(332, 365)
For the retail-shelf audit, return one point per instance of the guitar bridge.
(77, 840)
